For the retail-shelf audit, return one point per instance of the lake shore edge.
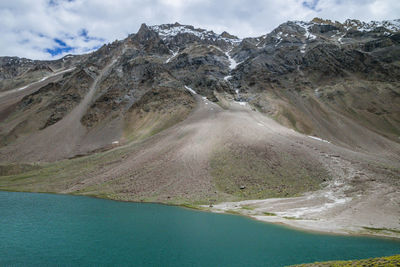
(288, 223)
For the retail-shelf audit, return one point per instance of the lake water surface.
(45, 229)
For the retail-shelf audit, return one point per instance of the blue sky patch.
(59, 48)
(85, 35)
(86, 50)
(60, 45)
(311, 4)
(56, 2)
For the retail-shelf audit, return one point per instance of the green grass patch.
(269, 213)
(14, 169)
(291, 218)
(390, 261)
(191, 206)
(233, 212)
(265, 173)
(61, 175)
(247, 207)
(381, 229)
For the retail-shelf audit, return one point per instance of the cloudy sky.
(49, 29)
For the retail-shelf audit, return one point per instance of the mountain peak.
(145, 33)
(389, 25)
(228, 35)
(355, 24)
(143, 29)
(170, 31)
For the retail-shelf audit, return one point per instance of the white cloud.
(28, 27)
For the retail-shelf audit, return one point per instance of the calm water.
(43, 229)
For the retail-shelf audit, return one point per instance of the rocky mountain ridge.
(295, 73)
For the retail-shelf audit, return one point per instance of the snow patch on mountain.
(306, 26)
(303, 48)
(391, 25)
(319, 139)
(174, 54)
(232, 62)
(167, 31)
(226, 78)
(279, 37)
(190, 90)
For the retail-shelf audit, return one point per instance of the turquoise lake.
(62, 230)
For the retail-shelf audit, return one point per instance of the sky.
(50, 29)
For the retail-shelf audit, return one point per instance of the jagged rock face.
(149, 41)
(11, 67)
(298, 73)
(298, 62)
(17, 72)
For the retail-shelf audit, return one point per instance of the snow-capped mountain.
(170, 31)
(299, 63)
